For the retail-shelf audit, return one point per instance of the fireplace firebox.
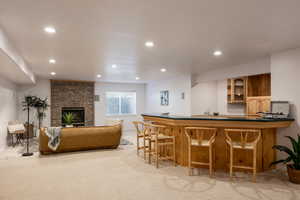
(78, 113)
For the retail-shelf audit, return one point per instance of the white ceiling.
(94, 34)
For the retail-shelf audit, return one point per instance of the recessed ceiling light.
(99, 76)
(114, 66)
(137, 78)
(52, 61)
(149, 44)
(218, 53)
(163, 70)
(50, 29)
(53, 73)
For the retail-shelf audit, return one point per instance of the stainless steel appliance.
(279, 110)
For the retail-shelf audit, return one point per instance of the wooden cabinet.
(256, 86)
(259, 85)
(258, 104)
(258, 94)
(252, 106)
(236, 90)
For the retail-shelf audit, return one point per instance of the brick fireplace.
(72, 96)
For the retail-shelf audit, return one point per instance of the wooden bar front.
(265, 154)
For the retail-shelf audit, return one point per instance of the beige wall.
(204, 97)
(176, 86)
(259, 66)
(209, 92)
(285, 71)
(211, 96)
(100, 109)
(40, 89)
(8, 108)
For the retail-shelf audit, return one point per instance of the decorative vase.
(294, 174)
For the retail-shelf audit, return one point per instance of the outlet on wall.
(97, 98)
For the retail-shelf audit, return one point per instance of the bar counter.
(265, 154)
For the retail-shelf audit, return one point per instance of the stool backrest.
(139, 126)
(243, 136)
(201, 133)
(154, 129)
(148, 121)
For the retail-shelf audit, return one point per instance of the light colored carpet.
(121, 175)
(19, 149)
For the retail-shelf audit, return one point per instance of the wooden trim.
(219, 123)
(260, 97)
(76, 81)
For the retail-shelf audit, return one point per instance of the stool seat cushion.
(161, 137)
(204, 143)
(238, 145)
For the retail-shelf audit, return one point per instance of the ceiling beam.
(8, 48)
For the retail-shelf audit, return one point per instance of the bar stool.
(200, 137)
(160, 137)
(140, 134)
(246, 139)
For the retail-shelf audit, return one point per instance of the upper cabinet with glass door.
(236, 90)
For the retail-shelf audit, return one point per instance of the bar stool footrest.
(199, 163)
(242, 167)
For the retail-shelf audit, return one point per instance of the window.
(121, 103)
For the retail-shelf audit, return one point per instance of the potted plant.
(41, 106)
(28, 102)
(68, 119)
(292, 161)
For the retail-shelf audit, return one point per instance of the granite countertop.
(220, 117)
